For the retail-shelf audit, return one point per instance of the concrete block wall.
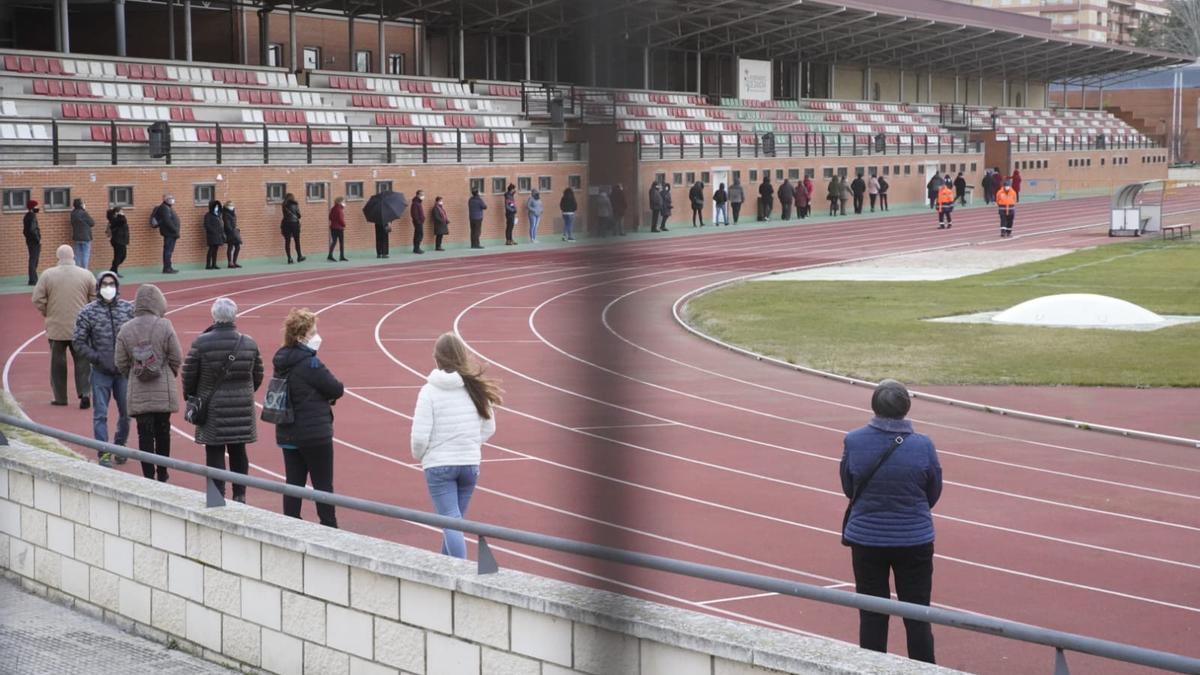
(261, 592)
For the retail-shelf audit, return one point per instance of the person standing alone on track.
(337, 229)
(893, 479)
(1006, 203)
(95, 338)
(289, 227)
(696, 199)
(567, 205)
(656, 203)
(441, 223)
(883, 190)
(534, 208)
(455, 416)
(737, 196)
(149, 356)
(945, 204)
(960, 189)
(61, 292)
(720, 199)
(33, 239)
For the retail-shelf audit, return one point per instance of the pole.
(244, 52)
(264, 35)
(646, 67)
(699, 73)
(350, 41)
(65, 18)
(383, 59)
(292, 40)
(187, 30)
(528, 57)
(119, 16)
(170, 29)
(462, 54)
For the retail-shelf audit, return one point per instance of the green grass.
(9, 407)
(874, 330)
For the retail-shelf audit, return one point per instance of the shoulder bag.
(896, 442)
(196, 410)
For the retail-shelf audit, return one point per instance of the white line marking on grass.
(749, 597)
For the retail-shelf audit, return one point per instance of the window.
(314, 192)
(779, 174)
(498, 184)
(660, 178)
(15, 199)
(907, 169)
(1101, 161)
(973, 169)
(362, 61)
(354, 190)
(691, 177)
(121, 195)
(827, 173)
(574, 182)
(54, 198)
(544, 184)
(203, 194)
(841, 171)
(275, 192)
(677, 178)
(382, 186)
(524, 184)
(396, 64)
(794, 174)
(705, 177)
(312, 58)
(887, 170)
(275, 55)
(476, 184)
(810, 173)
(942, 168)
(737, 175)
(896, 170)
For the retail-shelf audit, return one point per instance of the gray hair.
(891, 399)
(224, 310)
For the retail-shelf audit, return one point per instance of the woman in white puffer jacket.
(454, 418)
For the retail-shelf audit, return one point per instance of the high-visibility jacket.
(945, 197)
(1006, 199)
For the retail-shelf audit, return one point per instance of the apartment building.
(1111, 21)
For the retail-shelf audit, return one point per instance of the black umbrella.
(385, 207)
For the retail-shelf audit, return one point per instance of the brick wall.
(258, 219)
(1150, 110)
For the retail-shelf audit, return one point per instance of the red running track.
(621, 428)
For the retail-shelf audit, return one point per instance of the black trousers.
(119, 253)
(337, 237)
(858, 202)
(654, 219)
(510, 221)
(288, 238)
(35, 252)
(962, 198)
(210, 260)
(168, 251)
(947, 214)
(833, 206)
(883, 201)
(737, 210)
(913, 568)
(154, 436)
(786, 207)
(312, 462)
(419, 236)
(476, 230)
(381, 239)
(58, 371)
(232, 251)
(1006, 220)
(214, 456)
(873, 200)
(437, 241)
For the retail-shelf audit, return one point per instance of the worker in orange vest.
(1006, 201)
(945, 205)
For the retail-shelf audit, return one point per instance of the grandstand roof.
(914, 34)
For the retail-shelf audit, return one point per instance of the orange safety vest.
(1006, 199)
(945, 196)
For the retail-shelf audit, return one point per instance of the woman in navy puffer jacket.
(891, 527)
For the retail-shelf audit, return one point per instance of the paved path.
(38, 637)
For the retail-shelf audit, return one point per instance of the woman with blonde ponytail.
(455, 416)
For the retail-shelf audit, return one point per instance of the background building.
(1111, 21)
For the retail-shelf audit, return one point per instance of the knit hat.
(891, 399)
(31, 204)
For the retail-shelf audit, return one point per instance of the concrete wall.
(258, 591)
(850, 81)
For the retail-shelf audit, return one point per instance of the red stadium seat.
(39, 66)
(135, 71)
(69, 112)
(160, 72)
(12, 63)
(55, 66)
(100, 133)
(123, 69)
(66, 88)
(26, 64)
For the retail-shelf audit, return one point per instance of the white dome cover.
(1078, 309)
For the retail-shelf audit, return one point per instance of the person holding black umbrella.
(382, 209)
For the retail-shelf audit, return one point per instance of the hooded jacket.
(568, 204)
(787, 193)
(475, 207)
(214, 225)
(873, 185)
(232, 417)
(337, 217)
(417, 212)
(834, 191)
(311, 389)
(603, 206)
(895, 508)
(737, 194)
(291, 217)
(118, 229)
(33, 233)
(61, 292)
(168, 221)
(81, 223)
(801, 193)
(766, 191)
(229, 219)
(160, 394)
(446, 428)
(696, 196)
(535, 205)
(858, 186)
(441, 221)
(96, 328)
(655, 198)
(808, 186)
(846, 192)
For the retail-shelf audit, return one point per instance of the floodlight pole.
(646, 67)
(383, 60)
(699, 72)
(292, 39)
(187, 30)
(119, 15)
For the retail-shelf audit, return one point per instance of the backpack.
(146, 365)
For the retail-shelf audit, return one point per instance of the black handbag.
(196, 408)
(896, 442)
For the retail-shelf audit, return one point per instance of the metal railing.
(793, 145)
(69, 145)
(1061, 641)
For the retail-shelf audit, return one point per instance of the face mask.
(314, 342)
(1008, 183)
(108, 292)
(170, 202)
(229, 208)
(36, 210)
(216, 210)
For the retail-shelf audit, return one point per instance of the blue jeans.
(534, 221)
(721, 216)
(83, 253)
(450, 488)
(568, 225)
(104, 386)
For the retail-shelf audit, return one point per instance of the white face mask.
(170, 202)
(108, 292)
(314, 342)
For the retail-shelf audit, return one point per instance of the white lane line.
(844, 585)
(506, 459)
(622, 426)
(386, 386)
(750, 597)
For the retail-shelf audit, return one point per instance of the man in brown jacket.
(60, 293)
(148, 353)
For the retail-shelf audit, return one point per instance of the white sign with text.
(754, 80)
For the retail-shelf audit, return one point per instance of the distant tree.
(1178, 32)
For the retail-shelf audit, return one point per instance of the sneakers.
(331, 259)
(120, 459)
(106, 460)
(300, 258)
(85, 402)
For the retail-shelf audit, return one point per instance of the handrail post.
(112, 141)
(54, 142)
(391, 157)
(458, 144)
(491, 145)
(521, 138)
(424, 146)
(350, 146)
(220, 147)
(308, 143)
(721, 145)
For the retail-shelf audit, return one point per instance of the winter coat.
(168, 221)
(33, 233)
(808, 187)
(696, 197)
(441, 222)
(720, 197)
(568, 204)
(1016, 180)
(291, 218)
(766, 191)
(214, 229)
(873, 186)
(934, 185)
(960, 186)
(510, 202)
(232, 416)
(883, 186)
(895, 508)
(447, 429)
(603, 206)
(619, 205)
(535, 206)
(159, 395)
(60, 293)
(787, 193)
(81, 225)
(667, 204)
(417, 212)
(337, 217)
(988, 184)
(834, 191)
(475, 207)
(858, 186)
(736, 194)
(846, 192)
(232, 234)
(656, 200)
(312, 389)
(118, 230)
(802, 195)
(96, 328)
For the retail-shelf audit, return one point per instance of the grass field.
(875, 329)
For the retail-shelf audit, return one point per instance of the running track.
(621, 428)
